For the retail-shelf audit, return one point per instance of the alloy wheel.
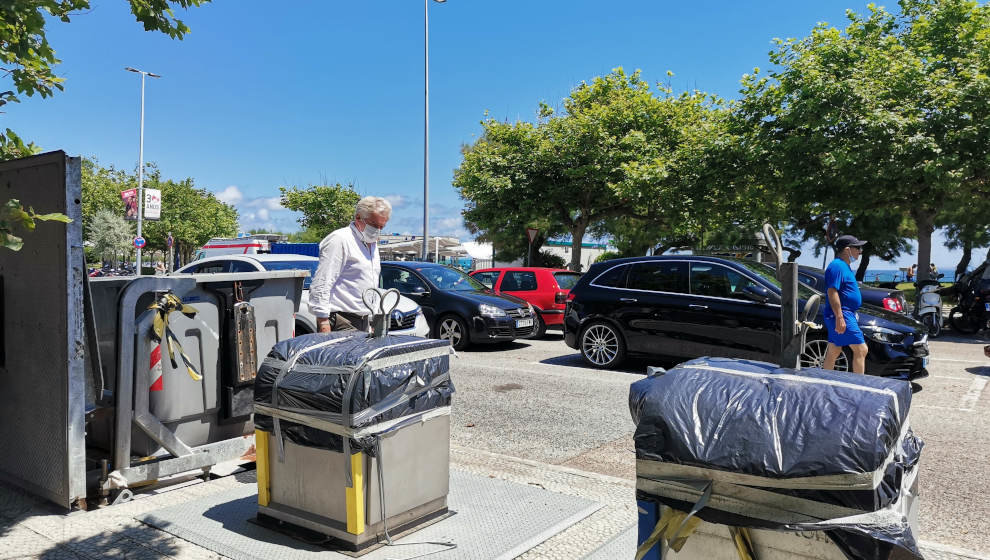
(600, 345)
(814, 356)
(450, 329)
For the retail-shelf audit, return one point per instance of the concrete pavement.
(530, 412)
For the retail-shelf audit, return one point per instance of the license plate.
(524, 323)
(987, 306)
(924, 362)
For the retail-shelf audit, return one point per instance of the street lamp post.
(426, 128)
(140, 193)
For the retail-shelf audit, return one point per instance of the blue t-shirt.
(838, 275)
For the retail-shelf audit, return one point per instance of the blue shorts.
(852, 335)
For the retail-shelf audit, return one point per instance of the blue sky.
(264, 94)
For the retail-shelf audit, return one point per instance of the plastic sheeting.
(802, 450)
(312, 374)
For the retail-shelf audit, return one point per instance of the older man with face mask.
(844, 300)
(349, 265)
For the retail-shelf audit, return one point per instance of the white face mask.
(370, 233)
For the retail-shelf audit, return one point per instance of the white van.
(232, 246)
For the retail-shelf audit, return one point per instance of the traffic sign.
(169, 241)
(531, 233)
(139, 242)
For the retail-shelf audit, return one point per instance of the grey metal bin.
(353, 437)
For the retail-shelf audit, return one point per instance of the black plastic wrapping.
(766, 425)
(319, 378)
(763, 420)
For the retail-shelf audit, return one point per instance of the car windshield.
(767, 273)
(566, 280)
(444, 278)
(294, 265)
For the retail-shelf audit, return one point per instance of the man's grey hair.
(373, 205)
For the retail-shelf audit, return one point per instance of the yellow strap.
(667, 529)
(744, 543)
(165, 305)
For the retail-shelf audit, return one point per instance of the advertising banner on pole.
(152, 204)
(130, 204)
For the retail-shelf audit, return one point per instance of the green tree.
(110, 234)
(324, 208)
(616, 150)
(193, 216)
(890, 112)
(29, 59)
(14, 218)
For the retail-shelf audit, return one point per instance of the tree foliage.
(14, 218)
(886, 118)
(324, 208)
(193, 215)
(617, 149)
(109, 234)
(29, 60)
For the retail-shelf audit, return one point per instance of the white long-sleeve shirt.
(348, 266)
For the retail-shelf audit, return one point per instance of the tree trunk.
(924, 220)
(577, 237)
(864, 263)
(966, 256)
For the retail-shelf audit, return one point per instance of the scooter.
(928, 309)
(973, 312)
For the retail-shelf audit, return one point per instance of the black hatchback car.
(458, 307)
(692, 306)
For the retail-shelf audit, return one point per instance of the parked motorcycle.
(928, 308)
(973, 312)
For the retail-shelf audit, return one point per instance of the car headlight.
(883, 334)
(490, 311)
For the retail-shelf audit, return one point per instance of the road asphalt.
(536, 400)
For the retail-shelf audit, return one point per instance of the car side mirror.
(756, 293)
(416, 291)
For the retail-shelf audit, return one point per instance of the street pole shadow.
(630, 365)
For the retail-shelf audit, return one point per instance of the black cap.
(847, 241)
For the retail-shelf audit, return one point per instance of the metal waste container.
(353, 434)
(744, 459)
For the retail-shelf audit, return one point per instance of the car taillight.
(570, 297)
(892, 304)
(560, 297)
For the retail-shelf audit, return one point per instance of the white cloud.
(230, 195)
(263, 214)
(396, 200)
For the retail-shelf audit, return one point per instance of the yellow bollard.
(262, 467)
(354, 496)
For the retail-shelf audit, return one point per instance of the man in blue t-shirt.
(844, 300)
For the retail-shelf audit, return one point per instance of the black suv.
(692, 306)
(458, 307)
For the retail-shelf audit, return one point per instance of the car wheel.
(602, 346)
(962, 322)
(814, 356)
(541, 327)
(452, 328)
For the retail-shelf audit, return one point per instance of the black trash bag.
(767, 421)
(758, 419)
(319, 378)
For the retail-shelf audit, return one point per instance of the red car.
(545, 288)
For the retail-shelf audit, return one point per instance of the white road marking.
(933, 407)
(957, 361)
(968, 401)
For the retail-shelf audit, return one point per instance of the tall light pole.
(426, 129)
(140, 193)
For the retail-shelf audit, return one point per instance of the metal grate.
(517, 313)
(399, 321)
